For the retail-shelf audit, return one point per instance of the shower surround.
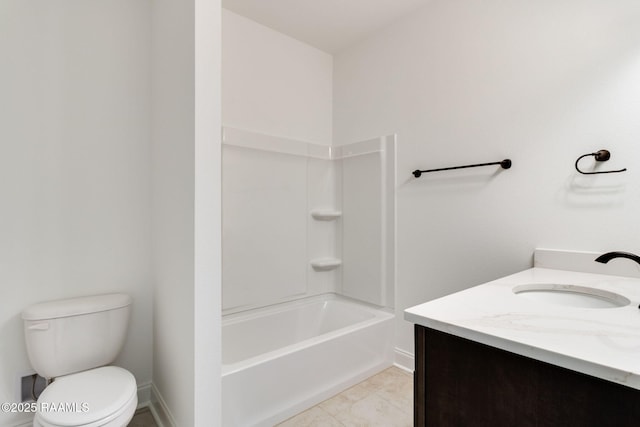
(301, 219)
(312, 227)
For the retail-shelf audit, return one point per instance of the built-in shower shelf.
(325, 264)
(325, 214)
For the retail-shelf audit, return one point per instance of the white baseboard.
(159, 409)
(404, 360)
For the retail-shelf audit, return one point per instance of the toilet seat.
(99, 397)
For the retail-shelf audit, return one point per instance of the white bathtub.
(280, 360)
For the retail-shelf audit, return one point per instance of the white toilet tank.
(77, 334)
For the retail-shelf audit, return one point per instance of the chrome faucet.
(605, 258)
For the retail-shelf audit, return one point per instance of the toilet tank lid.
(75, 306)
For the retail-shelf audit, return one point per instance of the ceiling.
(329, 25)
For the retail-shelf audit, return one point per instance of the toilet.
(72, 342)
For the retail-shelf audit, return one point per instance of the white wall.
(208, 210)
(274, 84)
(75, 175)
(173, 207)
(465, 82)
(186, 210)
(74, 167)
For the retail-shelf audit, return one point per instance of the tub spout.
(605, 258)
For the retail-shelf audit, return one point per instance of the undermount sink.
(571, 295)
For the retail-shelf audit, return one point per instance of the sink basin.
(571, 295)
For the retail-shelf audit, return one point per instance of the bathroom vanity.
(543, 347)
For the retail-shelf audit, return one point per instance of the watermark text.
(76, 407)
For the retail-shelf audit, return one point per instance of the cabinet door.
(464, 383)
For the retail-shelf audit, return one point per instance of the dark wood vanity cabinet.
(460, 383)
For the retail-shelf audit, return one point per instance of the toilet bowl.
(73, 342)
(102, 397)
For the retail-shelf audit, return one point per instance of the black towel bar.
(506, 164)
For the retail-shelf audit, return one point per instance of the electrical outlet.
(31, 384)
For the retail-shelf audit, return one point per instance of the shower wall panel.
(276, 247)
(368, 234)
(264, 231)
(270, 186)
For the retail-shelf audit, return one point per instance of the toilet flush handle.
(42, 326)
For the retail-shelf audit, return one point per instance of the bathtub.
(281, 360)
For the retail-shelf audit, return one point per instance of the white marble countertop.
(602, 342)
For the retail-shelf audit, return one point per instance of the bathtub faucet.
(605, 258)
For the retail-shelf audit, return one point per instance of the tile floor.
(142, 418)
(385, 400)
